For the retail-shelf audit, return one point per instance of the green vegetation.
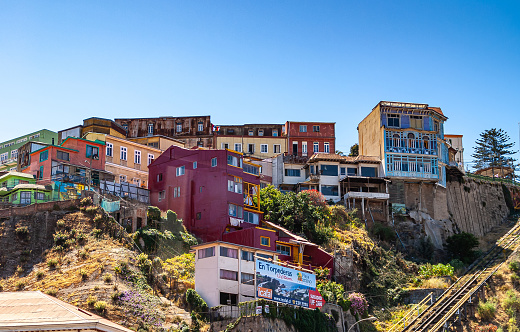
(486, 310)
(461, 246)
(22, 231)
(428, 270)
(196, 302)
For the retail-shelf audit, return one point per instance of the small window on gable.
(159, 177)
(393, 120)
(200, 126)
(265, 241)
(194, 165)
(260, 132)
(275, 132)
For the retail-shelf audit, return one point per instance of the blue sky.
(258, 62)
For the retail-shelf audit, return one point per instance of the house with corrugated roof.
(21, 189)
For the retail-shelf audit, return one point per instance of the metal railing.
(414, 312)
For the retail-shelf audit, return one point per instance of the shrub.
(91, 299)
(98, 218)
(86, 201)
(19, 270)
(60, 239)
(195, 301)
(385, 233)
(461, 246)
(458, 265)
(22, 231)
(20, 284)
(97, 233)
(115, 296)
(358, 303)
(58, 248)
(52, 263)
(51, 292)
(153, 215)
(91, 210)
(486, 310)
(107, 277)
(83, 254)
(60, 223)
(40, 274)
(83, 274)
(511, 302)
(100, 306)
(438, 270)
(514, 266)
(80, 237)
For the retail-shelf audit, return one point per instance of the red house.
(71, 161)
(307, 138)
(216, 194)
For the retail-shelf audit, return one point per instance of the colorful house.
(307, 138)
(21, 189)
(216, 194)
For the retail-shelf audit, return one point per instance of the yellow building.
(159, 142)
(127, 160)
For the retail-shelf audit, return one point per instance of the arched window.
(426, 142)
(411, 140)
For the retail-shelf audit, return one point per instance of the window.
(284, 250)
(393, 120)
(228, 275)
(40, 174)
(248, 256)
(416, 122)
(329, 190)
(110, 149)
(265, 241)
(342, 171)
(92, 152)
(268, 257)
(295, 148)
(62, 155)
(207, 252)
(194, 165)
(4, 156)
(292, 172)
(176, 192)
(150, 128)
(316, 129)
(263, 148)
(326, 147)
(161, 195)
(228, 252)
(411, 140)
(228, 299)
(250, 132)
(200, 126)
(247, 278)
(178, 127)
(151, 157)
(123, 153)
(198, 216)
(224, 145)
(275, 132)
(137, 157)
(311, 169)
(251, 217)
(435, 126)
(43, 155)
(248, 168)
(369, 171)
(250, 148)
(238, 147)
(125, 127)
(25, 197)
(137, 181)
(303, 129)
(235, 185)
(159, 177)
(122, 178)
(214, 162)
(304, 147)
(316, 147)
(329, 170)
(180, 171)
(14, 154)
(260, 132)
(40, 196)
(276, 148)
(234, 161)
(235, 211)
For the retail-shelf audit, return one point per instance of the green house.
(21, 189)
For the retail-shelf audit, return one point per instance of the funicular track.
(450, 307)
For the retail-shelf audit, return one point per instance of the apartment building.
(194, 131)
(254, 140)
(307, 138)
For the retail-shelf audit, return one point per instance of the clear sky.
(258, 62)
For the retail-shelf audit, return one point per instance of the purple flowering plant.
(358, 303)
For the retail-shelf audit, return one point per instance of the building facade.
(225, 272)
(409, 138)
(455, 142)
(9, 149)
(93, 125)
(21, 189)
(194, 131)
(307, 138)
(254, 140)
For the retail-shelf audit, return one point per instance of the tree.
(493, 149)
(354, 150)
(461, 245)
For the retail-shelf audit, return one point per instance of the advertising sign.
(285, 285)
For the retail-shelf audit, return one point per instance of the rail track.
(450, 307)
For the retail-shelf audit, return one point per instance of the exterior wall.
(204, 196)
(159, 142)
(326, 134)
(70, 132)
(207, 273)
(102, 126)
(167, 126)
(9, 149)
(126, 170)
(456, 142)
(257, 141)
(370, 135)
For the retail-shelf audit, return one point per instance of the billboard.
(285, 285)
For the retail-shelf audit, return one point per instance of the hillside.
(82, 257)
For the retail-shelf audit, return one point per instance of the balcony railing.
(432, 152)
(367, 195)
(406, 174)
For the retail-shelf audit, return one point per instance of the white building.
(455, 141)
(225, 272)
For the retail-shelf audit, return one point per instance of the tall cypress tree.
(493, 149)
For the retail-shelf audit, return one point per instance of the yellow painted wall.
(371, 135)
(163, 142)
(257, 141)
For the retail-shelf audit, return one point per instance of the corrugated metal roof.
(14, 173)
(33, 310)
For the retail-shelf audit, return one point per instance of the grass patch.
(486, 310)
